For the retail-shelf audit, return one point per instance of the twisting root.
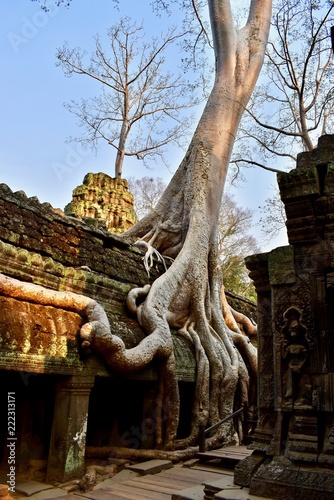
(227, 313)
(134, 295)
(150, 253)
(248, 326)
(200, 410)
(236, 321)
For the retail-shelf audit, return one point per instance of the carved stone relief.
(295, 346)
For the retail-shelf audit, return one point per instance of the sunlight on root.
(151, 252)
(86, 334)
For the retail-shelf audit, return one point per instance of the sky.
(35, 156)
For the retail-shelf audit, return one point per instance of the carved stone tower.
(294, 440)
(105, 200)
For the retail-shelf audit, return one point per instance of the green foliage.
(236, 278)
(235, 243)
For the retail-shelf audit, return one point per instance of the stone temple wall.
(294, 438)
(56, 383)
(60, 389)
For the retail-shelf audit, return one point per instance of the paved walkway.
(151, 480)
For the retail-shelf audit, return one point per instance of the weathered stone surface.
(29, 488)
(35, 330)
(237, 495)
(103, 200)
(245, 469)
(213, 487)
(40, 349)
(276, 480)
(281, 266)
(295, 340)
(323, 154)
(151, 466)
(192, 493)
(69, 428)
(48, 494)
(124, 475)
(38, 228)
(315, 484)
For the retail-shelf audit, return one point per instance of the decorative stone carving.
(104, 201)
(295, 355)
(295, 286)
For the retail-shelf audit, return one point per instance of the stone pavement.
(151, 480)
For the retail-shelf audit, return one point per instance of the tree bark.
(187, 297)
(184, 226)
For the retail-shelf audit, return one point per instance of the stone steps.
(227, 457)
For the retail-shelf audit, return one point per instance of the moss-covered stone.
(281, 266)
(105, 201)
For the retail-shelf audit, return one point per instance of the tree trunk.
(184, 226)
(187, 297)
(123, 134)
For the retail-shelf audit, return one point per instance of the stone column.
(264, 432)
(68, 436)
(148, 426)
(258, 265)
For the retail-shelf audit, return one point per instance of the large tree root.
(97, 334)
(130, 454)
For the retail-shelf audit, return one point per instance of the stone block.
(191, 463)
(124, 475)
(276, 480)
(30, 488)
(151, 466)
(281, 266)
(245, 469)
(315, 484)
(213, 487)
(48, 494)
(298, 183)
(193, 493)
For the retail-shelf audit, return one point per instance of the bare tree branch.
(141, 94)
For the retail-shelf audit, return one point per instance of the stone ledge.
(151, 467)
(48, 494)
(225, 483)
(237, 495)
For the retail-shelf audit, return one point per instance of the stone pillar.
(148, 426)
(264, 432)
(68, 437)
(259, 272)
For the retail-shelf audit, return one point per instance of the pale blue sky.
(34, 155)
